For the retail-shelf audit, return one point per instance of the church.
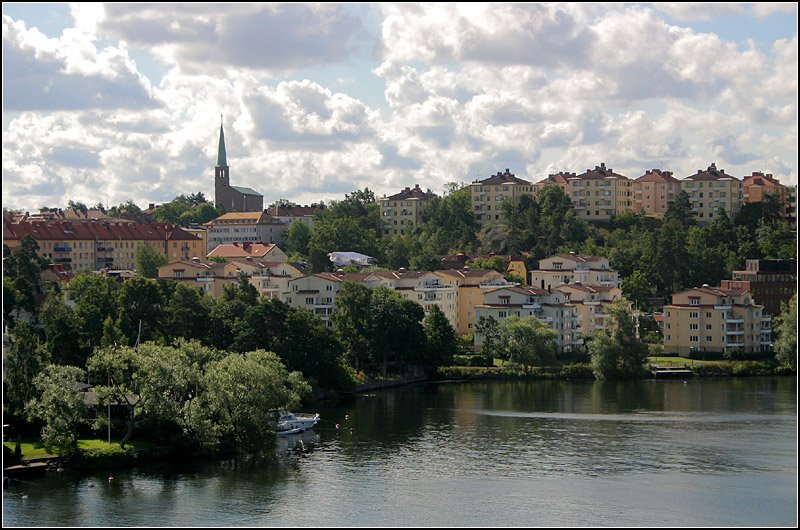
(232, 198)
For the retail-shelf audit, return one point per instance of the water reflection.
(712, 452)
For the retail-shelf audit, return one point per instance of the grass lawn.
(35, 448)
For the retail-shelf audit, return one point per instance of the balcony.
(62, 249)
(101, 248)
(62, 260)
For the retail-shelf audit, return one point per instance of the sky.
(106, 103)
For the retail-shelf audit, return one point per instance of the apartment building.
(290, 214)
(242, 227)
(713, 319)
(757, 186)
(403, 210)
(552, 308)
(488, 194)
(713, 190)
(317, 292)
(569, 268)
(94, 245)
(270, 278)
(590, 303)
(560, 179)
(470, 286)
(208, 276)
(599, 194)
(653, 191)
(772, 282)
(423, 287)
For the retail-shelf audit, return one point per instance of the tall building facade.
(488, 194)
(713, 190)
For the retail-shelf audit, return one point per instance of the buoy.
(337, 425)
(111, 478)
(347, 416)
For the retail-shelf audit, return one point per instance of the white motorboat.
(289, 423)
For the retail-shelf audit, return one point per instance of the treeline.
(128, 338)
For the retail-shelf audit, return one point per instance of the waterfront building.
(568, 268)
(551, 307)
(713, 190)
(653, 191)
(94, 245)
(403, 210)
(423, 287)
(245, 227)
(232, 198)
(714, 319)
(488, 194)
(590, 303)
(772, 282)
(470, 286)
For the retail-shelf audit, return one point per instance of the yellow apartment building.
(94, 245)
(470, 286)
(403, 210)
(552, 308)
(488, 194)
(713, 190)
(569, 268)
(712, 319)
(599, 194)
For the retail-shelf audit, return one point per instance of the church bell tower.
(222, 176)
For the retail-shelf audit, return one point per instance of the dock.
(662, 372)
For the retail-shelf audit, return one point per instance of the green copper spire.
(222, 159)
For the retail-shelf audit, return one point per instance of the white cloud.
(469, 90)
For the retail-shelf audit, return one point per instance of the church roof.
(222, 158)
(246, 191)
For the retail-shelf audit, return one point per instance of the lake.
(705, 452)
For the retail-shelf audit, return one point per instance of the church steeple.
(222, 159)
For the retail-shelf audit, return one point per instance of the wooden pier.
(662, 372)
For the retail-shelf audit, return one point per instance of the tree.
(404, 339)
(615, 350)
(59, 404)
(637, 288)
(309, 347)
(23, 266)
(95, 298)
(527, 341)
(27, 358)
(680, 209)
(786, 330)
(487, 328)
(186, 314)
(148, 260)
(141, 314)
(152, 382)
(440, 337)
(242, 391)
(298, 237)
(351, 318)
(60, 328)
